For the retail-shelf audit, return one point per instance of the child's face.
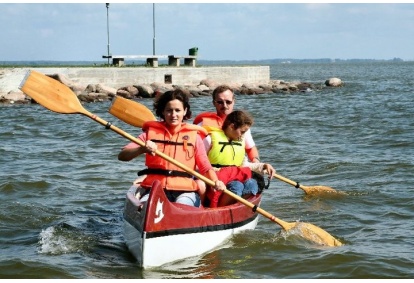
(237, 133)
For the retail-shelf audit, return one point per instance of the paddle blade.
(315, 234)
(306, 189)
(131, 112)
(306, 230)
(318, 235)
(320, 190)
(50, 93)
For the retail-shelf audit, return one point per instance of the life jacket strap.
(219, 165)
(169, 173)
(173, 142)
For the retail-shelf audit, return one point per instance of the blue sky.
(233, 31)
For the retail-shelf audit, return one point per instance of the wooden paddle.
(132, 112)
(308, 190)
(136, 114)
(59, 98)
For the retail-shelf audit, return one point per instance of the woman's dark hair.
(180, 94)
(239, 118)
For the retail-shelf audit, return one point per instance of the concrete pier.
(124, 76)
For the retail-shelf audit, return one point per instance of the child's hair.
(239, 119)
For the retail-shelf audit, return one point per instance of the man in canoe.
(226, 151)
(180, 141)
(223, 101)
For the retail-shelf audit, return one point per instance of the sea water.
(62, 188)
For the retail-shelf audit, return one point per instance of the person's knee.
(191, 199)
(250, 187)
(236, 187)
(201, 186)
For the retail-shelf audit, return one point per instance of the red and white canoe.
(162, 232)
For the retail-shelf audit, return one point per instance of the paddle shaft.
(290, 182)
(308, 190)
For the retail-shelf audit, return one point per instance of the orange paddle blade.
(308, 231)
(130, 111)
(51, 93)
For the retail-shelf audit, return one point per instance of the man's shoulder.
(248, 138)
(199, 118)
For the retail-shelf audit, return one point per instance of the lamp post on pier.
(107, 29)
(153, 27)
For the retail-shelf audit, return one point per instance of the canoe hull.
(162, 232)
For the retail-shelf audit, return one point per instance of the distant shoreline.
(140, 63)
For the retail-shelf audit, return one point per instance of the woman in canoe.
(180, 141)
(226, 151)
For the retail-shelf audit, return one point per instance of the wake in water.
(63, 239)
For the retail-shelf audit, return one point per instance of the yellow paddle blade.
(313, 233)
(130, 111)
(312, 190)
(306, 230)
(50, 93)
(306, 189)
(317, 235)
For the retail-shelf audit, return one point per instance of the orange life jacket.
(209, 119)
(179, 146)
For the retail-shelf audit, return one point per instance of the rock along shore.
(10, 79)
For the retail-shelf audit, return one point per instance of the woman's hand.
(219, 186)
(151, 147)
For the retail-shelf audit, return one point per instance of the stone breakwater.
(98, 92)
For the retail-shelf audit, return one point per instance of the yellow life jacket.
(179, 146)
(224, 152)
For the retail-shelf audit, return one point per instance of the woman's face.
(174, 112)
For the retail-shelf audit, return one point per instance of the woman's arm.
(128, 154)
(202, 162)
(132, 150)
(204, 165)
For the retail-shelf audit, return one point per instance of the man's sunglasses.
(221, 102)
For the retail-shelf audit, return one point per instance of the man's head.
(223, 100)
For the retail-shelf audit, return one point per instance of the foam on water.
(52, 243)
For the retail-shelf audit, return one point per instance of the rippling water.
(63, 189)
